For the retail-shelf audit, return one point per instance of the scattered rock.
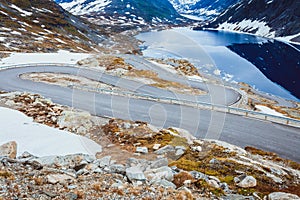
(117, 168)
(156, 146)
(58, 178)
(165, 149)
(135, 174)
(199, 175)
(197, 148)
(103, 162)
(9, 150)
(159, 163)
(282, 196)
(164, 183)
(237, 197)
(143, 150)
(80, 122)
(247, 182)
(160, 173)
(213, 183)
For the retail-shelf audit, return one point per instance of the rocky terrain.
(138, 161)
(265, 18)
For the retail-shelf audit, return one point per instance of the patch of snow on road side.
(261, 28)
(39, 139)
(165, 67)
(269, 111)
(28, 58)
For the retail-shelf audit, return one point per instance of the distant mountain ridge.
(149, 11)
(204, 8)
(270, 18)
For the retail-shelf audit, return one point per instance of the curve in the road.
(234, 129)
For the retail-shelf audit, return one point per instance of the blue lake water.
(268, 65)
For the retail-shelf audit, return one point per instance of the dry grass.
(164, 84)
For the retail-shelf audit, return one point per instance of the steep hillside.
(124, 13)
(270, 18)
(42, 25)
(211, 8)
(204, 8)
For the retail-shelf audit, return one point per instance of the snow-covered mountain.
(125, 12)
(42, 25)
(203, 8)
(269, 18)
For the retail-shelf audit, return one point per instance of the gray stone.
(103, 162)
(197, 148)
(135, 173)
(58, 178)
(247, 182)
(198, 175)
(214, 161)
(117, 168)
(239, 178)
(180, 147)
(141, 163)
(225, 187)
(126, 125)
(117, 185)
(160, 173)
(9, 150)
(82, 172)
(159, 163)
(214, 178)
(179, 152)
(156, 146)
(71, 196)
(165, 149)
(143, 150)
(70, 161)
(237, 197)
(164, 183)
(213, 183)
(282, 196)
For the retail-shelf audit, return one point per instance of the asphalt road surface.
(231, 128)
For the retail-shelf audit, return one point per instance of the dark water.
(268, 65)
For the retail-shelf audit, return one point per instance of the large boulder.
(247, 182)
(135, 174)
(282, 196)
(78, 122)
(9, 150)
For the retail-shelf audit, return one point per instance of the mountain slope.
(124, 11)
(204, 8)
(271, 18)
(42, 25)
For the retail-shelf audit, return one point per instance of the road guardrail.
(197, 104)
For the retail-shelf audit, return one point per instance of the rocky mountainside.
(125, 13)
(162, 164)
(42, 25)
(203, 8)
(270, 18)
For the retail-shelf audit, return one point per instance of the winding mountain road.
(231, 128)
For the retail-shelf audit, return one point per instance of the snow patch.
(259, 28)
(39, 139)
(59, 57)
(25, 13)
(81, 7)
(269, 111)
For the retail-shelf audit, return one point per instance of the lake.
(268, 65)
